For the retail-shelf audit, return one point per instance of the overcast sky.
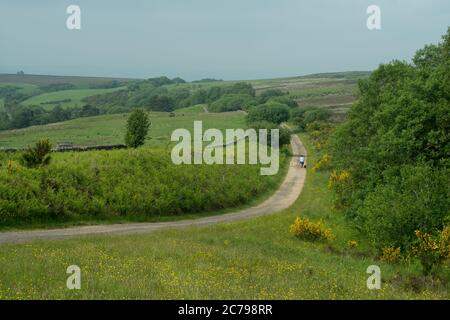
(227, 39)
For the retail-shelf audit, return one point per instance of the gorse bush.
(123, 184)
(391, 254)
(432, 251)
(323, 164)
(39, 155)
(341, 183)
(305, 229)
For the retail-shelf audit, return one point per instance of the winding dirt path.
(283, 198)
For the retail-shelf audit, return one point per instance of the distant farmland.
(43, 80)
(65, 98)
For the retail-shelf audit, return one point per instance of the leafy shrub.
(416, 198)
(270, 112)
(307, 116)
(269, 94)
(137, 128)
(286, 100)
(231, 102)
(240, 88)
(305, 229)
(284, 133)
(39, 155)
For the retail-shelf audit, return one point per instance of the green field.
(65, 98)
(110, 129)
(44, 80)
(256, 259)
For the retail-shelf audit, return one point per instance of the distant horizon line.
(207, 78)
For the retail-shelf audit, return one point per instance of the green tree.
(284, 133)
(231, 102)
(271, 112)
(137, 128)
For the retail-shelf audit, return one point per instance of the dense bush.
(307, 116)
(131, 184)
(269, 94)
(284, 133)
(291, 103)
(231, 102)
(396, 146)
(416, 199)
(270, 112)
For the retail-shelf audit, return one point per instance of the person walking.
(302, 161)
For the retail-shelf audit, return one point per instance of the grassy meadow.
(65, 98)
(255, 259)
(110, 129)
(24, 88)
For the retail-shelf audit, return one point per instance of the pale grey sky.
(228, 39)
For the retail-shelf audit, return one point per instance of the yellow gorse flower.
(352, 244)
(305, 229)
(322, 163)
(338, 178)
(12, 166)
(444, 242)
(390, 254)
